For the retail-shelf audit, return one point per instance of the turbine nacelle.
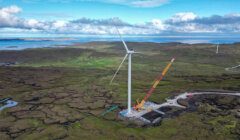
(130, 52)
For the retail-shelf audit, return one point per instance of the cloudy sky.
(132, 17)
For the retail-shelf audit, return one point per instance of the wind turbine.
(217, 48)
(129, 56)
(232, 67)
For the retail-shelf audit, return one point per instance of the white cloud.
(158, 24)
(7, 17)
(32, 23)
(187, 22)
(59, 24)
(11, 10)
(183, 17)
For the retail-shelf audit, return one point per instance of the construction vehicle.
(139, 105)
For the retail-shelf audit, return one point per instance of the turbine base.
(146, 116)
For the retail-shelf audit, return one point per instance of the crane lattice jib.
(140, 105)
(158, 80)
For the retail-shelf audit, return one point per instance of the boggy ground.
(215, 109)
(47, 103)
(63, 91)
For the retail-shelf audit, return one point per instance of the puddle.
(7, 104)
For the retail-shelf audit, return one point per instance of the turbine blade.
(118, 68)
(232, 67)
(235, 67)
(125, 45)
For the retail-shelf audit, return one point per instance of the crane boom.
(141, 104)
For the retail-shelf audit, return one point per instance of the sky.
(131, 17)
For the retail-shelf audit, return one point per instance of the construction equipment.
(140, 105)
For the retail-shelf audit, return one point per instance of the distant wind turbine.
(217, 48)
(232, 67)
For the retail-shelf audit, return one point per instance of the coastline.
(26, 43)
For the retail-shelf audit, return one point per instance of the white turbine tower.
(129, 55)
(217, 48)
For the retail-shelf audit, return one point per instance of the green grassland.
(62, 91)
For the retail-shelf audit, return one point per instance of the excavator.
(140, 105)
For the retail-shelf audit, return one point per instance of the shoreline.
(16, 47)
